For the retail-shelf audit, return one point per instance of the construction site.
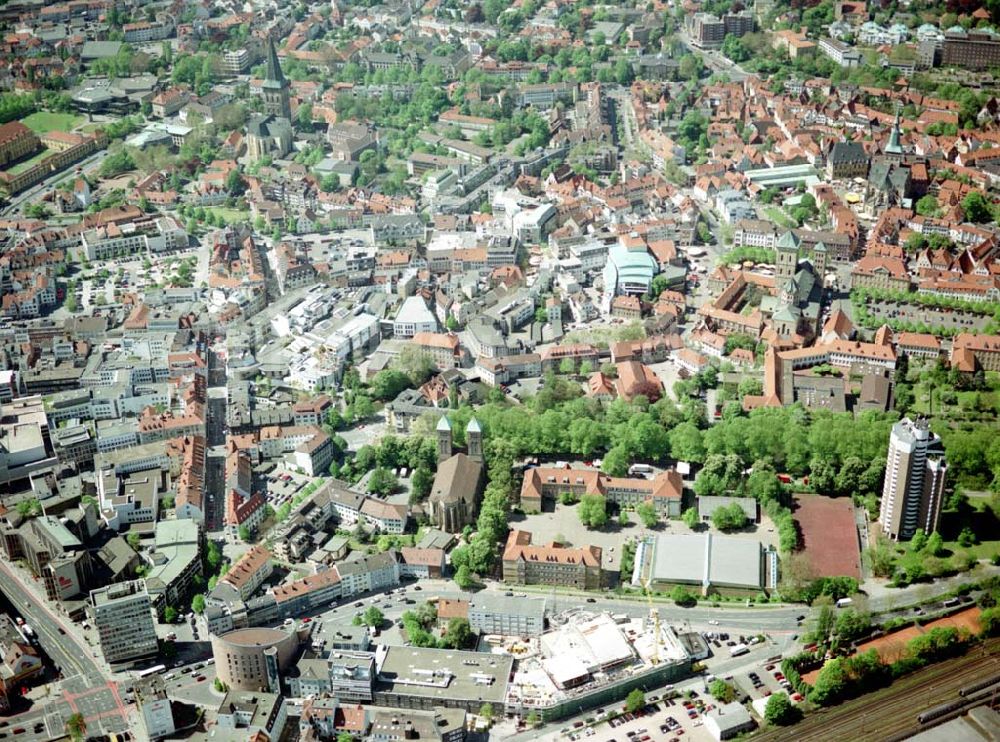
(587, 660)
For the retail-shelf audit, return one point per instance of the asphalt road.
(778, 621)
(36, 190)
(215, 426)
(87, 686)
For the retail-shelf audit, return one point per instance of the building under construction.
(588, 660)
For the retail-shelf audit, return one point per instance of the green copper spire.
(274, 77)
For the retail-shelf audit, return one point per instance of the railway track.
(893, 710)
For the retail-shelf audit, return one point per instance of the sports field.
(829, 535)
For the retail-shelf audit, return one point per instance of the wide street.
(777, 621)
(87, 686)
(15, 203)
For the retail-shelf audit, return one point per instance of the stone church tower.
(274, 90)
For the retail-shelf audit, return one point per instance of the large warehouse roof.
(707, 559)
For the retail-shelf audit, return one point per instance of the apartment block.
(914, 480)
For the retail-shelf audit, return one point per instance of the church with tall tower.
(455, 494)
(274, 90)
(270, 133)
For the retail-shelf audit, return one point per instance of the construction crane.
(654, 613)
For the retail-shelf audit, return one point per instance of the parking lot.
(763, 682)
(919, 314)
(662, 720)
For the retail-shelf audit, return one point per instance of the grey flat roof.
(731, 717)
(708, 504)
(707, 557)
(444, 674)
(532, 607)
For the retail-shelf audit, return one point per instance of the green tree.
(458, 634)
(683, 597)
(76, 726)
(729, 517)
(927, 206)
(976, 208)
(989, 621)
(486, 711)
(388, 383)
(687, 443)
(245, 534)
(133, 539)
(420, 484)
(616, 461)
(220, 686)
(647, 514)
(935, 544)
(372, 617)
(235, 184)
(690, 518)
(593, 511)
(831, 683)
(463, 577)
(31, 507)
(634, 701)
(213, 556)
(781, 711)
(722, 691)
(198, 603)
(382, 481)
(169, 614)
(851, 624)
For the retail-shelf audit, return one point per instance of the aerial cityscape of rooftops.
(383, 370)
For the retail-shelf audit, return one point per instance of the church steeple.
(894, 148)
(273, 68)
(274, 90)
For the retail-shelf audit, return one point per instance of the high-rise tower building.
(124, 621)
(914, 480)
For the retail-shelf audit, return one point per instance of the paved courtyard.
(563, 523)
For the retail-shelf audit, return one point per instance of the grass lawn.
(25, 164)
(982, 550)
(229, 216)
(779, 218)
(965, 407)
(45, 121)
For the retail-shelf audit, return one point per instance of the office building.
(493, 614)
(124, 620)
(914, 480)
(707, 31)
(970, 49)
